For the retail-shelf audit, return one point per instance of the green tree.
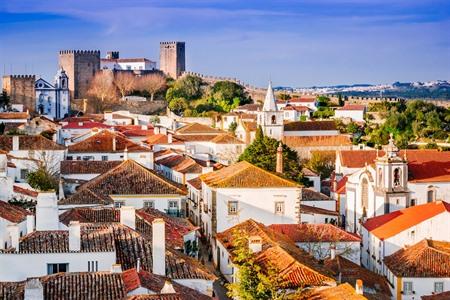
(341, 101)
(253, 281)
(178, 105)
(232, 127)
(41, 179)
(228, 95)
(188, 87)
(263, 151)
(4, 99)
(322, 163)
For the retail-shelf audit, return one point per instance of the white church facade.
(270, 118)
(53, 100)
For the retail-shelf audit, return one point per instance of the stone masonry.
(172, 58)
(20, 88)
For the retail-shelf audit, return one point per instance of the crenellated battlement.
(21, 76)
(93, 52)
(170, 43)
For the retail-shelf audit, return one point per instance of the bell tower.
(391, 182)
(270, 118)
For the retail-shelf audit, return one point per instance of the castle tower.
(391, 182)
(80, 67)
(172, 58)
(270, 118)
(20, 88)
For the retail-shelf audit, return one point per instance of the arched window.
(397, 175)
(274, 120)
(364, 196)
(380, 177)
(431, 195)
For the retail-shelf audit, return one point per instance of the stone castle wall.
(172, 59)
(21, 90)
(80, 67)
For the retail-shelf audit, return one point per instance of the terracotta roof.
(317, 141)
(296, 108)
(352, 107)
(196, 183)
(181, 163)
(12, 213)
(133, 280)
(427, 258)
(306, 209)
(103, 142)
(341, 186)
(195, 137)
(311, 233)
(85, 124)
(342, 291)
(250, 107)
(24, 191)
(388, 225)
(197, 128)
(139, 132)
(245, 175)
(309, 172)
(440, 296)
(250, 126)
(226, 139)
(309, 194)
(71, 285)
(87, 167)
(128, 178)
(375, 285)
(165, 152)
(29, 142)
(176, 228)
(423, 165)
(157, 139)
(310, 126)
(245, 116)
(13, 115)
(296, 266)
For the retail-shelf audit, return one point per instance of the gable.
(41, 84)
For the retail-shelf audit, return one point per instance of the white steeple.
(270, 103)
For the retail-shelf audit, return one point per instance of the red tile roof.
(310, 126)
(377, 287)
(13, 115)
(306, 209)
(440, 296)
(310, 233)
(12, 213)
(181, 163)
(340, 292)
(24, 191)
(103, 142)
(85, 125)
(139, 132)
(317, 141)
(87, 167)
(309, 194)
(352, 107)
(425, 259)
(423, 165)
(297, 108)
(296, 266)
(29, 142)
(388, 225)
(340, 188)
(196, 183)
(197, 128)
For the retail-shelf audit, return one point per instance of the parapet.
(21, 76)
(171, 43)
(95, 52)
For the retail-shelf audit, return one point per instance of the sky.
(293, 43)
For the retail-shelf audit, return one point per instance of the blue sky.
(296, 43)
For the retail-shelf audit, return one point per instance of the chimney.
(128, 216)
(255, 243)
(13, 230)
(114, 142)
(61, 190)
(15, 143)
(168, 288)
(80, 124)
(169, 138)
(159, 247)
(108, 115)
(47, 216)
(144, 127)
(116, 268)
(279, 167)
(138, 265)
(359, 287)
(332, 252)
(30, 223)
(74, 236)
(33, 290)
(208, 163)
(125, 153)
(156, 130)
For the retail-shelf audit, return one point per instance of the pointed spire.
(270, 102)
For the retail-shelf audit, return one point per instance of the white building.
(383, 235)
(270, 118)
(420, 269)
(113, 62)
(243, 191)
(13, 220)
(53, 100)
(310, 102)
(353, 112)
(296, 113)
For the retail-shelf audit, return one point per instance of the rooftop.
(104, 142)
(312, 233)
(309, 194)
(352, 107)
(181, 163)
(342, 291)
(317, 141)
(391, 224)
(427, 258)
(310, 126)
(292, 263)
(128, 178)
(12, 213)
(13, 115)
(85, 124)
(87, 167)
(245, 175)
(307, 209)
(29, 142)
(197, 128)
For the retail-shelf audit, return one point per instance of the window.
(326, 220)
(173, 204)
(438, 287)
(430, 194)
(279, 208)
(92, 266)
(149, 204)
(23, 173)
(364, 196)
(119, 204)
(413, 202)
(274, 120)
(397, 174)
(69, 158)
(104, 157)
(232, 207)
(407, 287)
(57, 268)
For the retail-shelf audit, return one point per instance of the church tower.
(270, 118)
(391, 182)
(62, 94)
